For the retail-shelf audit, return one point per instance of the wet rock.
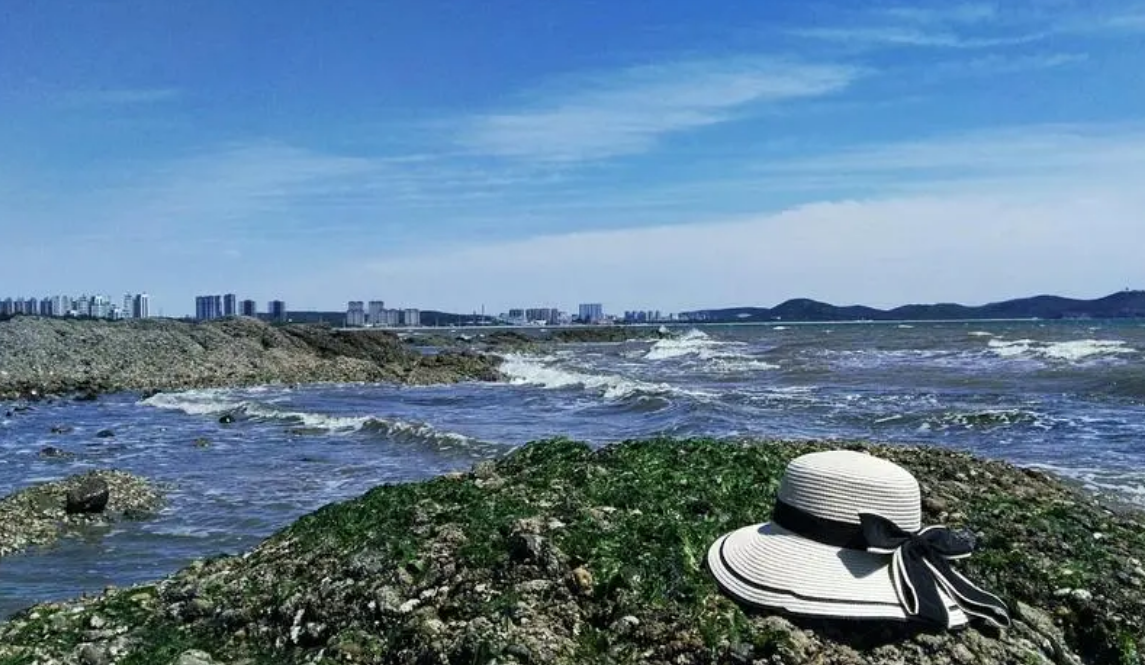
(201, 442)
(90, 497)
(62, 429)
(226, 419)
(105, 434)
(88, 395)
(52, 452)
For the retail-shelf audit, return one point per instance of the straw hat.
(845, 540)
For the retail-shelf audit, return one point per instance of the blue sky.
(642, 154)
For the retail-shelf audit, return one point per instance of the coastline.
(558, 553)
(45, 356)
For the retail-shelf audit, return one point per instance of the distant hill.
(1123, 304)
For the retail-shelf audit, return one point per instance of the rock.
(582, 581)
(62, 429)
(90, 497)
(147, 356)
(88, 395)
(92, 654)
(201, 442)
(226, 419)
(105, 434)
(935, 504)
(194, 657)
(52, 452)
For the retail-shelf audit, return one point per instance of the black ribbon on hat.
(920, 562)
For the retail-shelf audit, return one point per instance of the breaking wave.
(543, 372)
(1070, 351)
(212, 402)
(716, 355)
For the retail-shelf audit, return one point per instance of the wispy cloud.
(952, 13)
(1008, 64)
(630, 111)
(956, 26)
(121, 97)
(1079, 151)
(910, 36)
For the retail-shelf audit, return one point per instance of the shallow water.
(1067, 395)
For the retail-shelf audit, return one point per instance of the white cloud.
(986, 216)
(1075, 150)
(883, 252)
(628, 112)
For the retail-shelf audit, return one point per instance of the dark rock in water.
(105, 434)
(53, 452)
(8, 413)
(90, 497)
(201, 442)
(226, 419)
(62, 429)
(87, 395)
(20, 409)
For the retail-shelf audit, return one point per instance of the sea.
(1067, 396)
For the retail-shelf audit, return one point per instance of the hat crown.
(840, 484)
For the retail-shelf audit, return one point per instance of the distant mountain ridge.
(1123, 304)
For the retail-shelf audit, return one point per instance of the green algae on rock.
(563, 554)
(38, 515)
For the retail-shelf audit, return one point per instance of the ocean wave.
(1070, 351)
(208, 402)
(542, 372)
(693, 342)
(986, 419)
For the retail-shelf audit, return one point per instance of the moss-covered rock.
(562, 554)
(40, 514)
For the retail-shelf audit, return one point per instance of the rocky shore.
(562, 554)
(39, 515)
(534, 339)
(41, 356)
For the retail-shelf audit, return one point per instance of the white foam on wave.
(1070, 351)
(980, 333)
(542, 372)
(721, 356)
(692, 342)
(210, 402)
(1128, 485)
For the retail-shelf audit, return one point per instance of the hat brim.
(767, 566)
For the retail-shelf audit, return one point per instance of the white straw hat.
(846, 541)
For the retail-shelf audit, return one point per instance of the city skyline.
(668, 156)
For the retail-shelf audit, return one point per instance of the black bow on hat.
(921, 564)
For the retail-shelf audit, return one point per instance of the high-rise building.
(355, 314)
(248, 308)
(61, 305)
(547, 315)
(208, 307)
(141, 306)
(99, 307)
(376, 312)
(230, 305)
(276, 309)
(46, 307)
(591, 312)
(411, 318)
(128, 305)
